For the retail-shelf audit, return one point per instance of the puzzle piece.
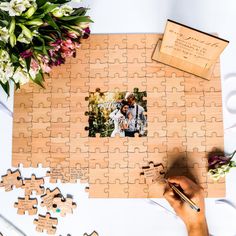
(117, 55)
(47, 199)
(98, 55)
(153, 173)
(59, 171)
(98, 41)
(115, 40)
(33, 184)
(23, 129)
(98, 143)
(63, 205)
(118, 188)
(94, 233)
(136, 41)
(11, 179)
(174, 83)
(136, 55)
(26, 204)
(97, 190)
(118, 175)
(46, 223)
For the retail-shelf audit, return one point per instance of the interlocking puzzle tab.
(11, 179)
(46, 223)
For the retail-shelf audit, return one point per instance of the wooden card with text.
(189, 49)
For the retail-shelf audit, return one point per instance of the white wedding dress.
(119, 120)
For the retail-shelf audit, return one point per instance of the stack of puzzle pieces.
(184, 115)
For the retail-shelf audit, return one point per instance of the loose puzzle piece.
(94, 233)
(63, 205)
(47, 199)
(33, 184)
(46, 223)
(154, 173)
(11, 179)
(26, 204)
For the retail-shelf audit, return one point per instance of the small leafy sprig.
(36, 35)
(219, 165)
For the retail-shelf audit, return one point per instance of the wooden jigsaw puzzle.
(184, 120)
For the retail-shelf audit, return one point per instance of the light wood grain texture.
(184, 115)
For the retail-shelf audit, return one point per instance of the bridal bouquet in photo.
(36, 35)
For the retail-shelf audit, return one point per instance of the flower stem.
(231, 157)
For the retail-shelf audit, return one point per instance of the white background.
(136, 217)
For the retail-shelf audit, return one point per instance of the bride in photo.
(121, 118)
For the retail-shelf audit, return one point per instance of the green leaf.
(12, 25)
(30, 12)
(39, 79)
(48, 7)
(41, 2)
(2, 44)
(40, 48)
(14, 58)
(17, 85)
(80, 11)
(61, 1)
(28, 61)
(35, 22)
(77, 18)
(44, 50)
(12, 40)
(6, 88)
(48, 38)
(51, 22)
(72, 29)
(26, 31)
(4, 23)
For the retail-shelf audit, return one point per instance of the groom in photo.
(138, 119)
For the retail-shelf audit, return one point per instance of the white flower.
(64, 10)
(4, 34)
(6, 68)
(6, 72)
(17, 7)
(4, 56)
(21, 76)
(23, 39)
(34, 68)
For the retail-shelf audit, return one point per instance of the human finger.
(185, 183)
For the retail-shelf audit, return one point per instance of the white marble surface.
(127, 217)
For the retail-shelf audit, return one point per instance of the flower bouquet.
(220, 165)
(36, 35)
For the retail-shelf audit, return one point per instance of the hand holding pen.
(186, 197)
